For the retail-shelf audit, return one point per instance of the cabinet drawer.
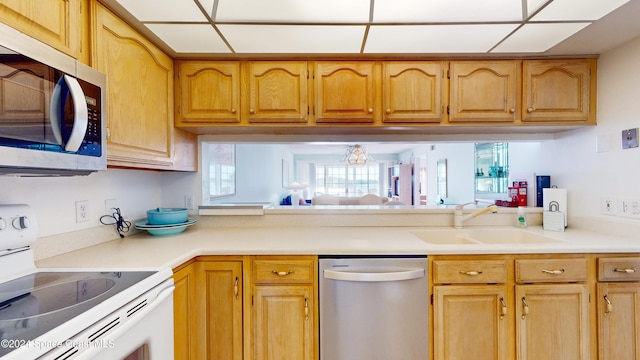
(283, 271)
(619, 269)
(551, 270)
(469, 271)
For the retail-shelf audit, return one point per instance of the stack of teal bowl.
(166, 221)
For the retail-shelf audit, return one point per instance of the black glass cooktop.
(37, 303)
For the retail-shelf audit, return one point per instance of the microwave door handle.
(81, 113)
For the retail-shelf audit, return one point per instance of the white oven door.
(141, 330)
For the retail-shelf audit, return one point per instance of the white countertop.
(143, 250)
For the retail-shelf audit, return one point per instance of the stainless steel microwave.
(52, 110)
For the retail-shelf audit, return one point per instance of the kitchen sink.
(481, 236)
(444, 237)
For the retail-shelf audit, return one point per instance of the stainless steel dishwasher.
(374, 308)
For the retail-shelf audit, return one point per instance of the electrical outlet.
(630, 208)
(608, 206)
(82, 211)
(188, 202)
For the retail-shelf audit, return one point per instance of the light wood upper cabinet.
(58, 23)
(484, 91)
(559, 91)
(139, 94)
(346, 92)
(278, 92)
(207, 92)
(412, 92)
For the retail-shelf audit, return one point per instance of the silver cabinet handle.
(378, 276)
(306, 308)
(282, 273)
(503, 309)
(625, 271)
(553, 272)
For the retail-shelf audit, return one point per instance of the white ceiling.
(384, 27)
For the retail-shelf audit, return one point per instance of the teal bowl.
(167, 216)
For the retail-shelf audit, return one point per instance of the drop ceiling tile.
(190, 38)
(164, 10)
(207, 5)
(294, 11)
(283, 39)
(582, 10)
(435, 38)
(421, 11)
(534, 5)
(538, 37)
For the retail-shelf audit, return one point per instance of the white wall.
(460, 174)
(572, 159)
(53, 198)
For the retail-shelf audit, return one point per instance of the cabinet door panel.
(209, 92)
(619, 321)
(556, 90)
(55, 22)
(470, 320)
(484, 91)
(140, 94)
(412, 92)
(184, 313)
(278, 92)
(219, 296)
(345, 92)
(552, 322)
(284, 322)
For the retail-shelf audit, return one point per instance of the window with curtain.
(342, 180)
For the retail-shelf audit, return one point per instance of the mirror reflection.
(396, 173)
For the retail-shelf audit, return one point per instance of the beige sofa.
(368, 199)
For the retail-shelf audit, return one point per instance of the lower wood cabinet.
(284, 312)
(511, 307)
(618, 308)
(208, 310)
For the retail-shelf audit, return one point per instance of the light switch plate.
(630, 138)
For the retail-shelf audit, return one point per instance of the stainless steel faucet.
(459, 218)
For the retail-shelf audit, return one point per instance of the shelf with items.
(491, 167)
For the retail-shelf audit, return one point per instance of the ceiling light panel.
(190, 38)
(164, 10)
(435, 38)
(560, 10)
(304, 39)
(422, 11)
(538, 37)
(293, 11)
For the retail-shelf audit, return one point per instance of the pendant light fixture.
(356, 155)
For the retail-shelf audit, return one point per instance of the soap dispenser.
(522, 220)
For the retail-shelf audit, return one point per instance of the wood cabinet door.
(345, 92)
(618, 321)
(57, 23)
(484, 91)
(471, 320)
(185, 313)
(219, 309)
(278, 92)
(208, 92)
(283, 322)
(412, 91)
(557, 90)
(552, 322)
(139, 94)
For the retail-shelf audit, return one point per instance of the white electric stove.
(77, 313)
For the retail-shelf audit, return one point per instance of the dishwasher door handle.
(374, 276)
